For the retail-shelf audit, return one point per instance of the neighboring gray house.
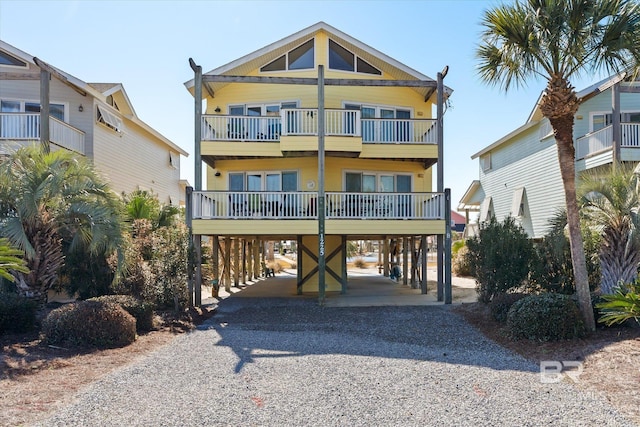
(96, 120)
(520, 172)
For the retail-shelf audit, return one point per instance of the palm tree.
(558, 40)
(611, 203)
(46, 197)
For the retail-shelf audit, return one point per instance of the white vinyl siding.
(134, 159)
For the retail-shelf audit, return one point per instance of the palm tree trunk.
(563, 127)
(619, 258)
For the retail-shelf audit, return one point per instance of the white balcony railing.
(304, 121)
(26, 127)
(602, 140)
(303, 205)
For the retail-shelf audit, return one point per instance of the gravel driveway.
(282, 362)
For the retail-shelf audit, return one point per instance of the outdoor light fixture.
(217, 110)
(80, 108)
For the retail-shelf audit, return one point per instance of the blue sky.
(145, 45)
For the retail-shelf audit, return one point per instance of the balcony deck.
(26, 127)
(291, 213)
(304, 122)
(601, 140)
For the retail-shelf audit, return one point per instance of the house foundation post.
(227, 264)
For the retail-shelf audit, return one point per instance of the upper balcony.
(601, 141)
(26, 127)
(296, 130)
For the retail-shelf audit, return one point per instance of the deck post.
(321, 200)
(227, 264)
(615, 124)
(45, 78)
(236, 262)
(299, 257)
(244, 261)
(189, 220)
(256, 259)
(447, 247)
(440, 134)
(385, 257)
(405, 261)
(344, 265)
(197, 245)
(423, 255)
(215, 267)
(414, 267)
(197, 128)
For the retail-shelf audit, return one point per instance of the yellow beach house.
(320, 139)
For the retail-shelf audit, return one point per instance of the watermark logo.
(553, 371)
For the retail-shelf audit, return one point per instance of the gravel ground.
(289, 362)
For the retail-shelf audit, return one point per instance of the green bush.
(545, 317)
(17, 314)
(140, 310)
(89, 324)
(499, 257)
(501, 304)
(460, 265)
(552, 270)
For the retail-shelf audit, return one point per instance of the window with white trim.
(20, 106)
(173, 160)
(602, 120)
(109, 119)
(300, 58)
(373, 182)
(518, 203)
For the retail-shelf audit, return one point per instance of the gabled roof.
(99, 91)
(536, 115)
(472, 197)
(248, 63)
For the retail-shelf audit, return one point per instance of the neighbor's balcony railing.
(304, 121)
(303, 205)
(602, 140)
(26, 127)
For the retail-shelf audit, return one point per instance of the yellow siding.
(308, 170)
(384, 227)
(307, 96)
(261, 227)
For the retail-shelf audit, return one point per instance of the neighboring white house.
(96, 120)
(520, 172)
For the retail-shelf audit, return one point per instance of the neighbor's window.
(109, 119)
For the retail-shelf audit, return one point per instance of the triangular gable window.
(345, 60)
(300, 58)
(109, 119)
(6, 59)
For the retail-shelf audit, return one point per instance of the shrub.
(140, 310)
(501, 304)
(545, 317)
(89, 324)
(17, 314)
(552, 270)
(359, 263)
(460, 265)
(499, 257)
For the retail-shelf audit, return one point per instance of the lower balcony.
(26, 127)
(303, 205)
(284, 215)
